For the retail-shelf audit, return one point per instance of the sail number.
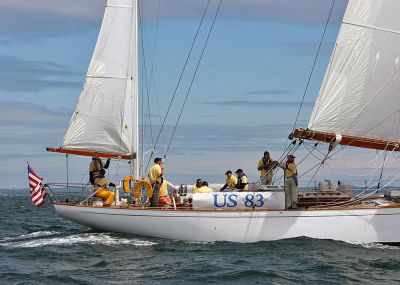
(232, 200)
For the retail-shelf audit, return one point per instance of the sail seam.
(372, 28)
(107, 76)
(121, 6)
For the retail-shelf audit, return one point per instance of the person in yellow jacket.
(156, 171)
(95, 166)
(164, 198)
(100, 186)
(155, 178)
(197, 186)
(203, 188)
(291, 182)
(243, 182)
(230, 182)
(266, 166)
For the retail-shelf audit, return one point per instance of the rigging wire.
(382, 167)
(152, 76)
(153, 80)
(314, 63)
(330, 155)
(361, 196)
(179, 81)
(382, 121)
(293, 148)
(343, 147)
(194, 76)
(313, 67)
(311, 152)
(144, 87)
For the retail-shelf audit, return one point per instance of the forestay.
(105, 118)
(360, 93)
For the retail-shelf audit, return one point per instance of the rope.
(179, 81)
(193, 78)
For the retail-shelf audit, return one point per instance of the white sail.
(105, 119)
(360, 95)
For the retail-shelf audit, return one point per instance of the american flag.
(38, 193)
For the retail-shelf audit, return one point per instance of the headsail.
(105, 119)
(360, 96)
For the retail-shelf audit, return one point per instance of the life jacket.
(101, 181)
(240, 182)
(293, 175)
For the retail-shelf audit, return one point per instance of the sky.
(244, 99)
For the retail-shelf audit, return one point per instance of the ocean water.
(37, 247)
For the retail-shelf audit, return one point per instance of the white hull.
(359, 225)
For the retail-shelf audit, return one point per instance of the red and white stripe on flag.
(38, 193)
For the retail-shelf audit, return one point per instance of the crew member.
(155, 178)
(291, 182)
(95, 166)
(242, 181)
(230, 183)
(100, 186)
(204, 188)
(164, 197)
(199, 184)
(266, 166)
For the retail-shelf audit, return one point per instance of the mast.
(135, 89)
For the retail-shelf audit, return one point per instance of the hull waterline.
(354, 225)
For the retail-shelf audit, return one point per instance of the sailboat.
(358, 106)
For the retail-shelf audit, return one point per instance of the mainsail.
(105, 119)
(360, 95)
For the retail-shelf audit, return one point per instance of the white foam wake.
(371, 245)
(199, 242)
(31, 235)
(89, 238)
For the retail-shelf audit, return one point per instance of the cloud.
(35, 126)
(33, 75)
(32, 20)
(88, 9)
(259, 104)
(202, 138)
(29, 115)
(5, 42)
(26, 130)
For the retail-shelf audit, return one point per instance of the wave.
(88, 238)
(371, 245)
(199, 242)
(30, 236)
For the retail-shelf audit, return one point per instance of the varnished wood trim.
(91, 153)
(347, 140)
